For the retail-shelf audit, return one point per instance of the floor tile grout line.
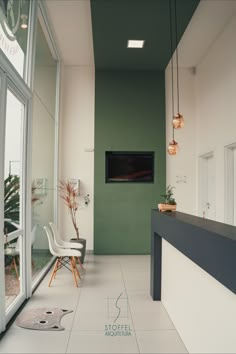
(80, 290)
(157, 330)
(136, 339)
(175, 327)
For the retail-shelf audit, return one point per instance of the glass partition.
(14, 15)
(16, 40)
(43, 140)
(13, 194)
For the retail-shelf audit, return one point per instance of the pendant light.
(24, 23)
(178, 120)
(173, 145)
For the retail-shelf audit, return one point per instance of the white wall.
(207, 96)
(203, 310)
(181, 169)
(77, 136)
(215, 105)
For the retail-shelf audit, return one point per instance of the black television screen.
(129, 166)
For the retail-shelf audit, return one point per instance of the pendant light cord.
(177, 57)
(172, 69)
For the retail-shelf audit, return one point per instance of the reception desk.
(209, 244)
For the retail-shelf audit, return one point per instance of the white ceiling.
(72, 27)
(71, 22)
(208, 21)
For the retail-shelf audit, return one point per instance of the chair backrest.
(15, 246)
(57, 251)
(56, 235)
(52, 247)
(33, 234)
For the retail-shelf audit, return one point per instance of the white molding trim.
(3, 97)
(56, 141)
(229, 183)
(14, 76)
(28, 206)
(31, 44)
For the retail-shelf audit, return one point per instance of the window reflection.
(14, 16)
(43, 132)
(13, 220)
(13, 162)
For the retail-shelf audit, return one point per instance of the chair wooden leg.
(76, 269)
(58, 264)
(10, 267)
(80, 263)
(73, 272)
(15, 267)
(53, 272)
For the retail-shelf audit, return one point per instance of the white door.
(210, 196)
(207, 186)
(13, 118)
(234, 186)
(230, 184)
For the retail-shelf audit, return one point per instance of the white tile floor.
(93, 303)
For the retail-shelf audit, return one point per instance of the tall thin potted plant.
(70, 195)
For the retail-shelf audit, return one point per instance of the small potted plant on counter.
(170, 203)
(70, 195)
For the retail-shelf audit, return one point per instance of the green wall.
(129, 116)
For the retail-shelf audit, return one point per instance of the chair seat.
(60, 243)
(11, 251)
(64, 256)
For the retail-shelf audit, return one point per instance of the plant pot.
(82, 250)
(167, 207)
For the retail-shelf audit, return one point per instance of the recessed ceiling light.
(135, 43)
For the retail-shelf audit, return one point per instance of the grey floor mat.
(44, 319)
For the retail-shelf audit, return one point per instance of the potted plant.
(11, 203)
(70, 195)
(12, 208)
(170, 203)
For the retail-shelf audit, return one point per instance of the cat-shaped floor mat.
(44, 319)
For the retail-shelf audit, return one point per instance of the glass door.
(14, 199)
(2, 136)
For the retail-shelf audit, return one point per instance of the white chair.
(13, 251)
(64, 244)
(64, 257)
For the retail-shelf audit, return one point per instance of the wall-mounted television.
(129, 166)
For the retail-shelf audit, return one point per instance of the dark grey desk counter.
(210, 244)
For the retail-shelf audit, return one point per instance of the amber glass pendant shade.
(173, 147)
(178, 121)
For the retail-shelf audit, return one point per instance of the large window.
(14, 195)
(43, 146)
(28, 128)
